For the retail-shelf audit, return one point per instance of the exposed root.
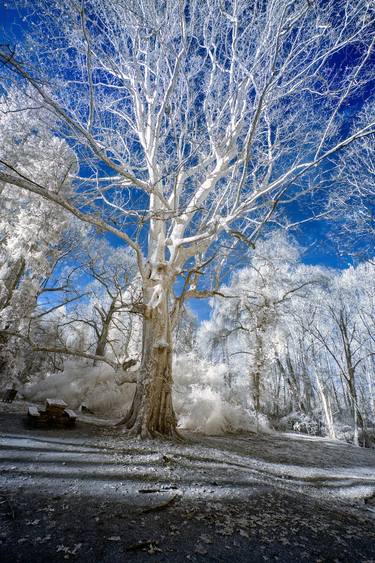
(136, 431)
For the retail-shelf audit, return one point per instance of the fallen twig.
(161, 506)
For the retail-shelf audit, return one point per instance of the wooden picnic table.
(54, 413)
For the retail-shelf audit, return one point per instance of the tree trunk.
(327, 410)
(106, 318)
(357, 416)
(102, 340)
(12, 280)
(370, 391)
(151, 414)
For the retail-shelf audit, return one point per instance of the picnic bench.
(55, 413)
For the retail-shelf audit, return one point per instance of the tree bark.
(151, 414)
(12, 280)
(103, 334)
(357, 416)
(327, 410)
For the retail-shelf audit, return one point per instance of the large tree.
(193, 123)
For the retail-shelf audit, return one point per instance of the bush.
(299, 422)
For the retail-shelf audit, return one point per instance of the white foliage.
(203, 401)
(30, 227)
(80, 383)
(189, 126)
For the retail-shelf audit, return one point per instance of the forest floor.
(92, 494)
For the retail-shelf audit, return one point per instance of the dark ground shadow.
(87, 495)
(269, 526)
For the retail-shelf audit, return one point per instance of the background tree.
(109, 299)
(30, 229)
(88, 308)
(352, 202)
(251, 320)
(300, 339)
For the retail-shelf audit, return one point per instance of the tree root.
(148, 434)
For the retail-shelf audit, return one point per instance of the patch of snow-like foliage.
(204, 399)
(95, 386)
(299, 422)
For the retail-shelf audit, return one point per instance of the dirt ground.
(91, 494)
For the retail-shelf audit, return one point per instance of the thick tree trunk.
(151, 413)
(101, 344)
(106, 318)
(102, 340)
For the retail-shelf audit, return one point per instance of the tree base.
(136, 431)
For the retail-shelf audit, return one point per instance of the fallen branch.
(162, 506)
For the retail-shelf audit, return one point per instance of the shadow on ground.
(93, 494)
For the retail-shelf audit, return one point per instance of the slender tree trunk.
(12, 280)
(308, 389)
(103, 335)
(256, 372)
(256, 393)
(326, 408)
(357, 416)
(151, 413)
(11, 283)
(370, 390)
(337, 401)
